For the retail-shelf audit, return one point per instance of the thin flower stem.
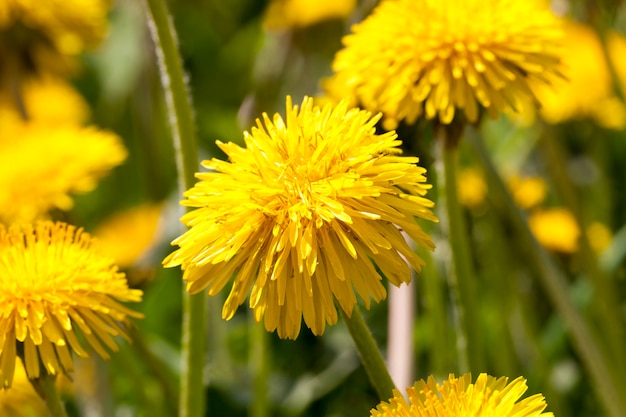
(259, 367)
(555, 284)
(180, 113)
(46, 387)
(469, 340)
(370, 355)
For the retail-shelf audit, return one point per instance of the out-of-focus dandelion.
(616, 47)
(127, 235)
(412, 58)
(584, 65)
(40, 166)
(556, 229)
(301, 216)
(600, 236)
(471, 187)
(21, 400)
(460, 397)
(36, 35)
(53, 282)
(287, 14)
(528, 192)
(49, 100)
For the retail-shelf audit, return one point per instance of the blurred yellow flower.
(21, 400)
(471, 187)
(287, 14)
(47, 100)
(126, 236)
(39, 35)
(528, 191)
(71, 25)
(616, 48)
(600, 236)
(556, 229)
(587, 90)
(426, 57)
(459, 397)
(300, 216)
(53, 281)
(40, 166)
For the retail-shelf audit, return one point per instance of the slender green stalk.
(555, 285)
(184, 139)
(462, 277)
(259, 366)
(370, 355)
(46, 387)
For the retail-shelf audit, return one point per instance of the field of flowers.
(305, 208)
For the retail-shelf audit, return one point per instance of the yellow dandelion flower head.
(53, 284)
(460, 397)
(556, 229)
(70, 25)
(616, 46)
(528, 191)
(413, 58)
(21, 400)
(600, 236)
(299, 217)
(40, 166)
(286, 14)
(584, 64)
(471, 187)
(47, 100)
(128, 234)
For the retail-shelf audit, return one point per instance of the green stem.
(184, 139)
(46, 387)
(370, 355)
(462, 277)
(555, 285)
(259, 366)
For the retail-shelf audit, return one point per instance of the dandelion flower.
(528, 191)
(41, 165)
(584, 65)
(459, 397)
(127, 235)
(45, 36)
(69, 25)
(47, 99)
(600, 236)
(413, 58)
(54, 282)
(303, 215)
(285, 14)
(471, 187)
(556, 229)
